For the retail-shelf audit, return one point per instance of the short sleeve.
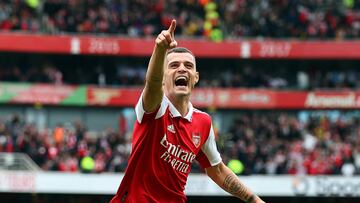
(140, 112)
(209, 155)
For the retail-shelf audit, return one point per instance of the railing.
(17, 162)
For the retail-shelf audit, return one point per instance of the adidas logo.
(171, 128)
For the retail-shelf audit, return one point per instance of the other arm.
(228, 181)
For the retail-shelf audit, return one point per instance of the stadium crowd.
(215, 19)
(282, 143)
(270, 143)
(67, 147)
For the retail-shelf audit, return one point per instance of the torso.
(164, 147)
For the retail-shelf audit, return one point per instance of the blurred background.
(280, 79)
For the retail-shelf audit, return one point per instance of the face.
(180, 75)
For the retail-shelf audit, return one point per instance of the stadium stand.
(63, 148)
(110, 71)
(301, 19)
(293, 146)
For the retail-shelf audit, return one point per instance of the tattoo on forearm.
(233, 185)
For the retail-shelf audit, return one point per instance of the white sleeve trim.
(163, 106)
(139, 109)
(210, 150)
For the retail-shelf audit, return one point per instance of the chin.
(182, 93)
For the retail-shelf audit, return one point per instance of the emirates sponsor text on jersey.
(179, 158)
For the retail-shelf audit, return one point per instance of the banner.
(229, 98)
(320, 100)
(26, 93)
(10, 90)
(113, 96)
(122, 46)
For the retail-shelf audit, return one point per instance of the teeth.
(181, 77)
(181, 81)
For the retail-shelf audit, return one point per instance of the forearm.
(164, 41)
(155, 71)
(153, 91)
(234, 186)
(229, 182)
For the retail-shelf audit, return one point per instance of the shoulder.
(158, 113)
(197, 111)
(201, 116)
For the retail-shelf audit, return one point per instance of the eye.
(173, 65)
(189, 65)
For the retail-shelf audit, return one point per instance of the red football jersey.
(163, 148)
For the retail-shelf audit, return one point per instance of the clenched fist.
(166, 38)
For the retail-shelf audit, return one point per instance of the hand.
(257, 200)
(166, 38)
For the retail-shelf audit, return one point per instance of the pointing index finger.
(172, 28)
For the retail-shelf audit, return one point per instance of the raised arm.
(153, 91)
(228, 181)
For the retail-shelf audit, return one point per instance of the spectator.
(266, 143)
(211, 19)
(282, 146)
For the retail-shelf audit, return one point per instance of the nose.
(182, 68)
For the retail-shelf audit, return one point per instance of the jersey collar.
(175, 113)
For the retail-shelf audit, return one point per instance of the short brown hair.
(180, 50)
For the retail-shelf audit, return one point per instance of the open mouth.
(181, 81)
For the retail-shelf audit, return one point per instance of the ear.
(197, 77)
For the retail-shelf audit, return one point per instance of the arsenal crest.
(196, 138)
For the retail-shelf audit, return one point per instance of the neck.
(181, 103)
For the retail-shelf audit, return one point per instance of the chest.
(183, 133)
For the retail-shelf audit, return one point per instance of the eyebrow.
(185, 62)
